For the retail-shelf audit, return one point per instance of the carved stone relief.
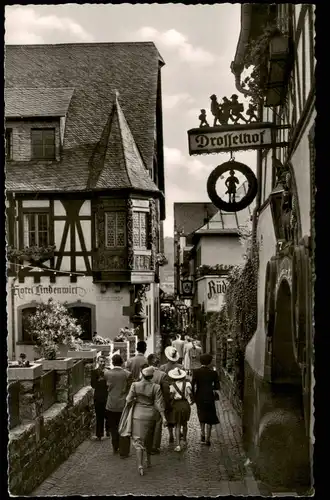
(153, 224)
(130, 253)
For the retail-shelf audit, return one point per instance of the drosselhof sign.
(232, 138)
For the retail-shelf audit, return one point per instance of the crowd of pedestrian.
(135, 402)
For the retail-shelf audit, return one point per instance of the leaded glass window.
(115, 229)
(140, 229)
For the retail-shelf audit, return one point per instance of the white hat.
(177, 373)
(171, 353)
(148, 371)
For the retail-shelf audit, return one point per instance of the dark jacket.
(99, 384)
(204, 382)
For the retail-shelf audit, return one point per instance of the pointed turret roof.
(117, 162)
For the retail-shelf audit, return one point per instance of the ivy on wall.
(236, 322)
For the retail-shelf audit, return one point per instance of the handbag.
(126, 420)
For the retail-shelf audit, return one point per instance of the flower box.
(104, 348)
(84, 354)
(56, 364)
(25, 373)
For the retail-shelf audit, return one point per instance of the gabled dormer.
(35, 123)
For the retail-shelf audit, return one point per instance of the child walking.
(181, 393)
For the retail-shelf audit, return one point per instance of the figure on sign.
(236, 109)
(215, 109)
(225, 110)
(251, 113)
(202, 118)
(230, 183)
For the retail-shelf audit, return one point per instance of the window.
(43, 143)
(36, 229)
(140, 229)
(9, 144)
(115, 229)
(26, 337)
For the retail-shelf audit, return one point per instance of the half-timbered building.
(278, 404)
(84, 185)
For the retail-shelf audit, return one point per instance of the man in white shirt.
(178, 343)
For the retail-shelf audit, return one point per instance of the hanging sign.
(220, 139)
(187, 288)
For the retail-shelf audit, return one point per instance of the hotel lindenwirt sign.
(223, 137)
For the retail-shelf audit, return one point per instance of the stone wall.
(228, 387)
(37, 448)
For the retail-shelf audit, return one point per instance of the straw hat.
(148, 371)
(171, 353)
(177, 373)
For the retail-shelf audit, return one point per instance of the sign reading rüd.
(211, 292)
(231, 138)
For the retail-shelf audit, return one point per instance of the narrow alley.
(196, 471)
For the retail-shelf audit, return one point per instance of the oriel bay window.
(115, 229)
(43, 143)
(36, 229)
(140, 236)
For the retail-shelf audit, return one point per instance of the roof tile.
(95, 71)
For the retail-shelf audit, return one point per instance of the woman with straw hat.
(172, 356)
(181, 392)
(148, 402)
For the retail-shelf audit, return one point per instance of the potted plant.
(53, 328)
(34, 254)
(257, 55)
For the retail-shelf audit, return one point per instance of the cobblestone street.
(196, 471)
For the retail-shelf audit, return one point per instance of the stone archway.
(285, 369)
(283, 449)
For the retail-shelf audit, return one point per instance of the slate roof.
(188, 217)
(37, 102)
(95, 72)
(121, 163)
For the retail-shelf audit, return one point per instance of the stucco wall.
(108, 306)
(301, 165)
(221, 250)
(255, 351)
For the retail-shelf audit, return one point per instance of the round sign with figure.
(231, 184)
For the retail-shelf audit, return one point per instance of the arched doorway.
(285, 369)
(83, 315)
(283, 448)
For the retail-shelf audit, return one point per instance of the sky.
(197, 43)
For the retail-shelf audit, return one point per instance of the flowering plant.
(53, 325)
(161, 259)
(124, 334)
(32, 253)
(98, 339)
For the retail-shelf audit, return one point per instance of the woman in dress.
(148, 402)
(181, 393)
(204, 382)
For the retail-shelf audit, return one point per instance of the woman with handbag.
(148, 401)
(205, 383)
